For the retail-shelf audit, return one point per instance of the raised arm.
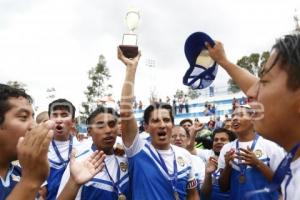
(210, 167)
(129, 126)
(225, 174)
(243, 78)
(193, 131)
(32, 152)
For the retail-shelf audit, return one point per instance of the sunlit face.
(104, 130)
(64, 124)
(187, 125)
(18, 120)
(241, 121)
(219, 141)
(278, 120)
(160, 128)
(179, 137)
(227, 124)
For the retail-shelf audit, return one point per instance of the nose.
(32, 124)
(58, 119)
(162, 124)
(107, 129)
(252, 92)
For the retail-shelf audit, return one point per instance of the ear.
(297, 101)
(146, 127)
(89, 131)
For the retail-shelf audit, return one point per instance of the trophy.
(129, 42)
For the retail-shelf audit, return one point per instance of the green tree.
(179, 93)
(193, 94)
(17, 84)
(98, 87)
(253, 64)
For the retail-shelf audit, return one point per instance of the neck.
(61, 137)
(161, 147)
(3, 169)
(246, 137)
(107, 151)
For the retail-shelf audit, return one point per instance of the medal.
(116, 185)
(243, 166)
(176, 195)
(242, 179)
(121, 197)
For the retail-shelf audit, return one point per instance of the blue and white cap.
(203, 69)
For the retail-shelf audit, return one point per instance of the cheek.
(68, 122)
(18, 129)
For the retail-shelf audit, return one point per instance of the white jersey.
(205, 154)
(199, 170)
(290, 186)
(101, 186)
(266, 151)
(148, 178)
(58, 156)
(119, 141)
(63, 148)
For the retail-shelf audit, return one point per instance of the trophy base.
(129, 51)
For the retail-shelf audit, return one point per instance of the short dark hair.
(99, 110)
(231, 135)
(7, 92)
(156, 106)
(185, 120)
(288, 49)
(61, 104)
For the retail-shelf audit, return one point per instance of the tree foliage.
(191, 93)
(98, 87)
(17, 84)
(252, 63)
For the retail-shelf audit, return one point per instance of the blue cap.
(199, 76)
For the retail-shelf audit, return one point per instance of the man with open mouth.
(157, 169)
(62, 112)
(112, 182)
(247, 163)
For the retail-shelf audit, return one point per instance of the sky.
(53, 43)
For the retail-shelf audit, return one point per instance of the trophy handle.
(129, 51)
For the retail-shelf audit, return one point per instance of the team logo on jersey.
(258, 153)
(15, 178)
(123, 166)
(180, 160)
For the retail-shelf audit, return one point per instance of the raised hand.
(195, 128)
(247, 156)
(128, 61)
(217, 52)
(229, 156)
(32, 153)
(85, 170)
(211, 165)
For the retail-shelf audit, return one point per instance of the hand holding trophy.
(129, 43)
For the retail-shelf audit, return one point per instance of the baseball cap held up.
(203, 68)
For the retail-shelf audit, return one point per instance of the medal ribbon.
(116, 185)
(58, 153)
(162, 163)
(241, 165)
